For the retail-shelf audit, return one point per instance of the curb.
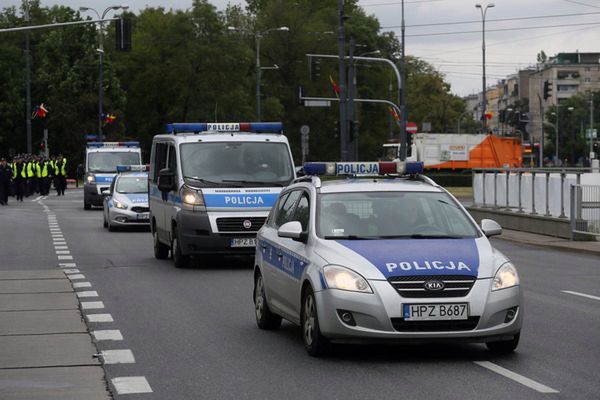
(552, 246)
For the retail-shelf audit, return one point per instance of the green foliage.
(188, 66)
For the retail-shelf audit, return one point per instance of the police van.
(212, 185)
(101, 161)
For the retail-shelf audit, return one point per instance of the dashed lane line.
(92, 305)
(86, 294)
(75, 277)
(131, 385)
(124, 356)
(80, 285)
(530, 383)
(589, 296)
(108, 334)
(99, 318)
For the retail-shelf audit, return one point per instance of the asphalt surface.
(192, 332)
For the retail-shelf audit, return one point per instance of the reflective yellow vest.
(30, 169)
(45, 169)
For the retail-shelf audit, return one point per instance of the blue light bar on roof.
(113, 144)
(363, 168)
(132, 168)
(255, 127)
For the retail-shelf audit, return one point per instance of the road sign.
(317, 103)
(411, 127)
(305, 129)
(594, 133)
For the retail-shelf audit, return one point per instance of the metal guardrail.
(585, 209)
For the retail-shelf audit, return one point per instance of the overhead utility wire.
(495, 20)
(398, 2)
(580, 3)
(503, 29)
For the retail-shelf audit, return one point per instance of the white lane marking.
(75, 277)
(71, 271)
(59, 241)
(589, 296)
(37, 198)
(61, 247)
(80, 285)
(131, 385)
(65, 257)
(92, 305)
(87, 293)
(62, 251)
(117, 356)
(516, 377)
(67, 265)
(99, 318)
(110, 334)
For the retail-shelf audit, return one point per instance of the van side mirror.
(490, 227)
(166, 180)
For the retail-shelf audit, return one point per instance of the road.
(192, 332)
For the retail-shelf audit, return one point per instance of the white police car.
(389, 258)
(127, 202)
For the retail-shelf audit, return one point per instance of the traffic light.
(123, 34)
(547, 89)
(314, 68)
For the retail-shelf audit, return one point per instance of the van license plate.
(243, 242)
(435, 312)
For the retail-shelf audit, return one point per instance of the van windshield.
(237, 164)
(105, 161)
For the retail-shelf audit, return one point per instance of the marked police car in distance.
(384, 258)
(127, 202)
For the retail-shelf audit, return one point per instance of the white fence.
(544, 192)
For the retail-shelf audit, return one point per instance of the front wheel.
(179, 260)
(265, 319)
(161, 251)
(315, 343)
(504, 346)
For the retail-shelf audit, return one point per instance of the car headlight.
(345, 279)
(120, 205)
(90, 178)
(191, 197)
(506, 277)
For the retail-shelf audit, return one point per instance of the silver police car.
(126, 204)
(390, 258)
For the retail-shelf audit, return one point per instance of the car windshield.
(237, 164)
(132, 184)
(104, 161)
(382, 215)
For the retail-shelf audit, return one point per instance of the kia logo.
(434, 285)
(247, 224)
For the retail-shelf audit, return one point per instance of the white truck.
(101, 161)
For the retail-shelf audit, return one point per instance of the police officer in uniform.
(5, 177)
(60, 171)
(20, 178)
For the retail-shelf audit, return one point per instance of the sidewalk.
(550, 242)
(46, 351)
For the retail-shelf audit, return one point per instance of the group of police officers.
(27, 174)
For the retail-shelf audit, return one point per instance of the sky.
(569, 26)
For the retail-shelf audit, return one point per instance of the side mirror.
(292, 230)
(490, 227)
(105, 191)
(299, 171)
(166, 180)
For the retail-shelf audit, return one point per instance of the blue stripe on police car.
(406, 257)
(244, 200)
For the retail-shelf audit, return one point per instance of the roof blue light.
(130, 168)
(113, 144)
(414, 167)
(255, 127)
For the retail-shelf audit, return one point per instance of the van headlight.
(91, 178)
(506, 277)
(345, 279)
(191, 197)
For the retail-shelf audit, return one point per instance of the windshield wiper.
(263, 183)
(351, 237)
(202, 180)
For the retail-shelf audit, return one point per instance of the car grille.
(139, 209)
(237, 224)
(435, 326)
(413, 286)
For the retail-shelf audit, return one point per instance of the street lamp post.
(258, 37)
(483, 93)
(100, 51)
